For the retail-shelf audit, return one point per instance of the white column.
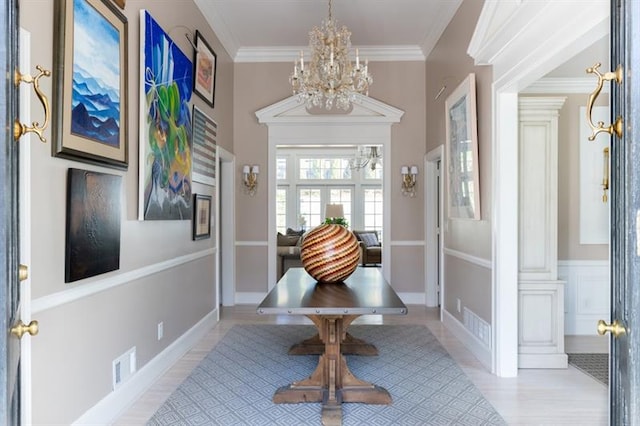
(540, 293)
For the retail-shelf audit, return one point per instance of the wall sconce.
(250, 178)
(605, 174)
(409, 180)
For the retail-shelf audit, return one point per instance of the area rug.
(234, 384)
(595, 365)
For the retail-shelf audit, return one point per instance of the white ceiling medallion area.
(268, 31)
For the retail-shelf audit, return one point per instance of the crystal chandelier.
(365, 156)
(330, 78)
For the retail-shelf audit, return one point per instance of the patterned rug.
(595, 365)
(234, 384)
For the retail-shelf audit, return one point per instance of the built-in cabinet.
(540, 292)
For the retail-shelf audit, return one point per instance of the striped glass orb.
(330, 253)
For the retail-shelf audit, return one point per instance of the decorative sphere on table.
(330, 253)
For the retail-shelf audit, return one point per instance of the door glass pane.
(373, 209)
(310, 206)
(281, 210)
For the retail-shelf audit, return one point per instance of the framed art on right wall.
(463, 179)
(204, 83)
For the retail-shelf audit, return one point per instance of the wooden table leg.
(332, 383)
(349, 345)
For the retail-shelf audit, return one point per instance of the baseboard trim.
(471, 342)
(412, 298)
(249, 298)
(542, 360)
(109, 408)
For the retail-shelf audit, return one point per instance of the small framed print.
(204, 82)
(201, 216)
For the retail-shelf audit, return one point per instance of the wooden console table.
(332, 307)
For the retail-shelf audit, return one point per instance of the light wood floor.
(535, 397)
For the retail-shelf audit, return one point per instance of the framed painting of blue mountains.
(90, 83)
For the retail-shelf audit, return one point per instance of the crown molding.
(564, 85)
(291, 53)
(225, 36)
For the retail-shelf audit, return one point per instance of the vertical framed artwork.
(204, 84)
(463, 178)
(201, 216)
(205, 131)
(90, 85)
(166, 81)
(93, 224)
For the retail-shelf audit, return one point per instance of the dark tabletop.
(364, 292)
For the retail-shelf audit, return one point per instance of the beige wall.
(257, 85)
(448, 65)
(78, 340)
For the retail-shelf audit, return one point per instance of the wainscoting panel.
(587, 294)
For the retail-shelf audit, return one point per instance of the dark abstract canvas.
(93, 224)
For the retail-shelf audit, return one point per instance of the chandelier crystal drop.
(330, 78)
(366, 156)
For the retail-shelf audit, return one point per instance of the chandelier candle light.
(330, 79)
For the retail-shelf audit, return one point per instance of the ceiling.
(276, 30)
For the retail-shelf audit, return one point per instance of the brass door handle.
(23, 272)
(20, 328)
(615, 328)
(20, 129)
(616, 127)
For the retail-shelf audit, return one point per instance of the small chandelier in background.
(330, 78)
(365, 156)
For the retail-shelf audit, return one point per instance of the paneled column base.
(541, 324)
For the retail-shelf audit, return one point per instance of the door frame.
(24, 171)
(434, 210)
(226, 228)
(543, 35)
